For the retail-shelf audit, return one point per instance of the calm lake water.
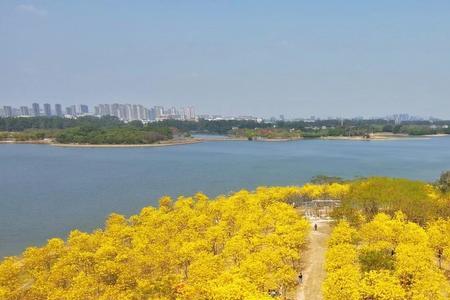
(47, 191)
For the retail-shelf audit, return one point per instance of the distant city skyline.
(125, 112)
(131, 112)
(265, 58)
(285, 114)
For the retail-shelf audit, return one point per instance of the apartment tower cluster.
(131, 112)
(125, 112)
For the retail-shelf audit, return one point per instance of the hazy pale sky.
(297, 58)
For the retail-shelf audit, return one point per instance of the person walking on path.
(315, 227)
(300, 278)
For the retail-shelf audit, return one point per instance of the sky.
(263, 58)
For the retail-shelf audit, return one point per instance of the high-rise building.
(104, 110)
(71, 110)
(128, 112)
(24, 111)
(122, 112)
(7, 111)
(47, 110)
(115, 110)
(134, 112)
(152, 114)
(172, 112)
(82, 109)
(159, 112)
(189, 113)
(142, 113)
(58, 110)
(36, 109)
(192, 112)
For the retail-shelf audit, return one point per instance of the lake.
(46, 191)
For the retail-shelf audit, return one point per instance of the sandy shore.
(256, 140)
(222, 139)
(168, 143)
(277, 140)
(377, 137)
(161, 144)
(37, 142)
(436, 135)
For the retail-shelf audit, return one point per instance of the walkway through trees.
(313, 262)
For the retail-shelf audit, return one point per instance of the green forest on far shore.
(85, 130)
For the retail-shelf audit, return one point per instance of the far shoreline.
(160, 144)
(364, 139)
(376, 137)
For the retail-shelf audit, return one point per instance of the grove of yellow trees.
(233, 247)
(392, 241)
(388, 258)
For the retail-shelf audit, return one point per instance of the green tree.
(444, 182)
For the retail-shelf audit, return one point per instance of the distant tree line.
(21, 124)
(315, 129)
(214, 127)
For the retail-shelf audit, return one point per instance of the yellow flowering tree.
(234, 247)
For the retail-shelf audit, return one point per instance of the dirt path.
(313, 263)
